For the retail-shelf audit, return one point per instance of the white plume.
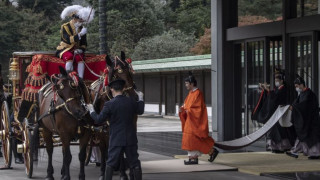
(68, 11)
(84, 14)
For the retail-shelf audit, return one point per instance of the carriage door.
(303, 58)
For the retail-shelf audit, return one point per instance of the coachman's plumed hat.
(76, 11)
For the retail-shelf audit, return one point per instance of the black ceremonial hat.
(117, 82)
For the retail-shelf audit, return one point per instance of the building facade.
(245, 55)
(162, 81)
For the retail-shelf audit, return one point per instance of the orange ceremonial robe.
(194, 121)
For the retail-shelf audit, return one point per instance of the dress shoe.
(191, 161)
(124, 177)
(108, 173)
(292, 154)
(19, 160)
(137, 172)
(213, 155)
(313, 157)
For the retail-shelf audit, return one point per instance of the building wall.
(165, 91)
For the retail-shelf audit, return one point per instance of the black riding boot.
(123, 168)
(123, 176)
(18, 157)
(137, 172)
(108, 173)
(131, 175)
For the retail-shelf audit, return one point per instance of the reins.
(64, 105)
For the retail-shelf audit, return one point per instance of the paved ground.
(92, 172)
(147, 127)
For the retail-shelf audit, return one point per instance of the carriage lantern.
(14, 70)
(14, 74)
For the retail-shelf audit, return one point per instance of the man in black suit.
(120, 112)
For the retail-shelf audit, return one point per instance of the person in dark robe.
(306, 122)
(280, 139)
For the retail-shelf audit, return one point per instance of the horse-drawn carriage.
(41, 99)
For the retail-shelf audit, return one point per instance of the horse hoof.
(65, 178)
(49, 178)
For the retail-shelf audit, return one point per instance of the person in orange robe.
(194, 120)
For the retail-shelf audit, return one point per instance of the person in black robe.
(306, 122)
(280, 139)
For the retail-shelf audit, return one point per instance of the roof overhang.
(173, 64)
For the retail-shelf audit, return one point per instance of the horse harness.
(49, 88)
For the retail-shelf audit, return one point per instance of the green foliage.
(271, 9)
(138, 27)
(50, 8)
(93, 36)
(9, 41)
(190, 16)
(33, 31)
(130, 20)
(194, 20)
(173, 43)
(53, 36)
(9, 25)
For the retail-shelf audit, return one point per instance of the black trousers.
(116, 152)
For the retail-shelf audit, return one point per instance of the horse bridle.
(64, 105)
(120, 71)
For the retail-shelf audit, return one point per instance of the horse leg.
(82, 154)
(104, 155)
(47, 136)
(67, 157)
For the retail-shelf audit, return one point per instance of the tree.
(173, 43)
(9, 25)
(204, 44)
(194, 16)
(50, 8)
(33, 31)
(9, 41)
(130, 20)
(270, 9)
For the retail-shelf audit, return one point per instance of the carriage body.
(13, 128)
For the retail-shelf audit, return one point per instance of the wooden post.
(161, 91)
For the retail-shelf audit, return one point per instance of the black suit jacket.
(120, 112)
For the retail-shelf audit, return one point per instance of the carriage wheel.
(5, 130)
(27, 149)
(88, 154)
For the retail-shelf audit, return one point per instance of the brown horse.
(61, 112)
(119, 68)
